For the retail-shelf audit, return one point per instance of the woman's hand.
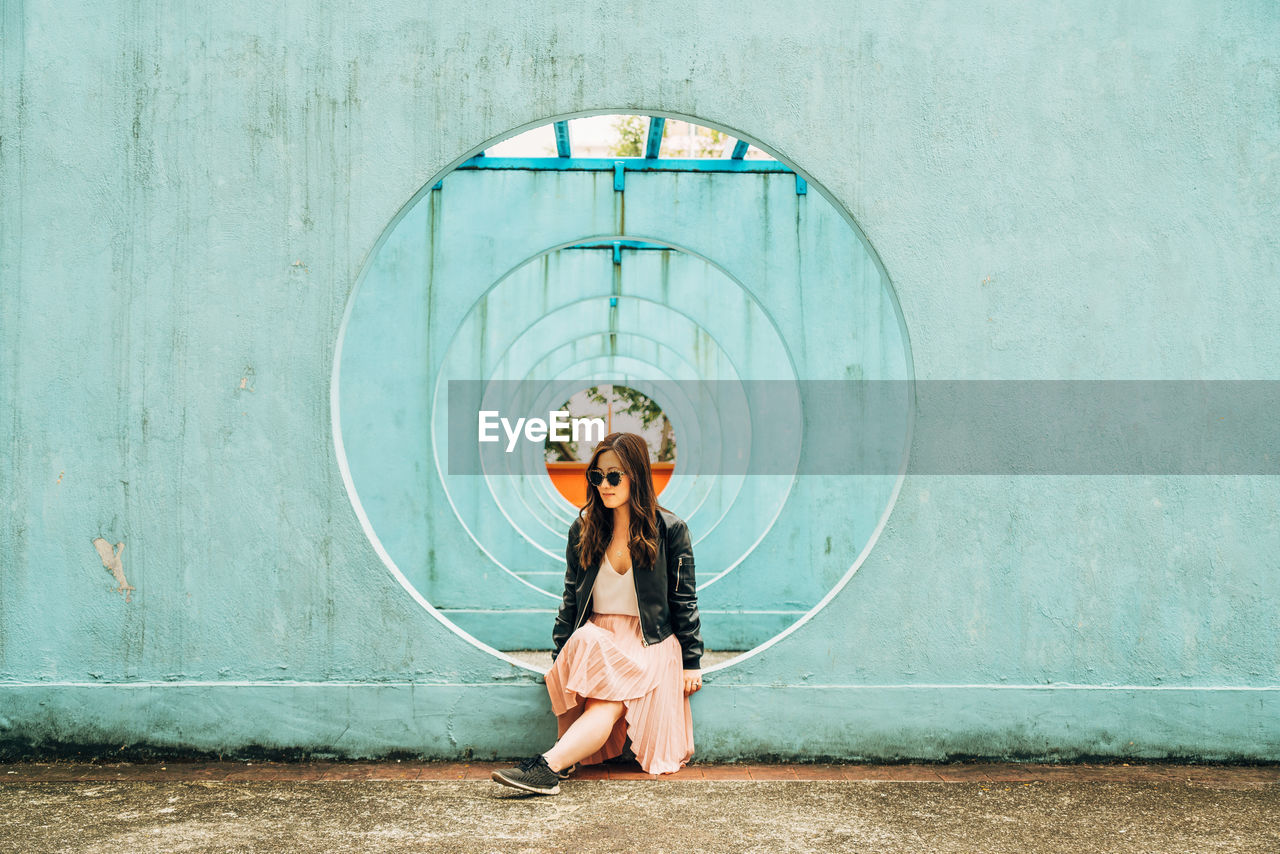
(692, 681)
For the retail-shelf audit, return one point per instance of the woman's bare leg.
(587, 734)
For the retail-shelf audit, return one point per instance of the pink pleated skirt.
(606, 658)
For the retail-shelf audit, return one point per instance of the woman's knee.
(616, 707)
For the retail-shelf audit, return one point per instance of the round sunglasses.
(596, 477)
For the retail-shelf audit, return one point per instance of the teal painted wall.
(1058, 191)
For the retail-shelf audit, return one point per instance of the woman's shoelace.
(530, 763)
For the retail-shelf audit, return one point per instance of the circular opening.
(623, 409)
(668, 258)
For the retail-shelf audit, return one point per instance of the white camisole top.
(614, 594)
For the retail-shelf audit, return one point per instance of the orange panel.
(570, 479)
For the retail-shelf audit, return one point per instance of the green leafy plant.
(627, 401)
(633, 132)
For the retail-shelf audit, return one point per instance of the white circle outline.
(334, 378)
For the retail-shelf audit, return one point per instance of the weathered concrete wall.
(1058, 191)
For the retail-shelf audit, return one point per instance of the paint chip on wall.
(112, 563)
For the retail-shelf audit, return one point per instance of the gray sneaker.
(531, 775)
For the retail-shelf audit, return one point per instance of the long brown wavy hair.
(597, 520)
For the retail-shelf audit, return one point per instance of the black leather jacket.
(667, 601)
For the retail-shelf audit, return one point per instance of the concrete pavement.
(448, 807)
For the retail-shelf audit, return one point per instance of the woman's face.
(613, 496)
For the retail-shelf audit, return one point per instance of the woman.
(627, 643)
